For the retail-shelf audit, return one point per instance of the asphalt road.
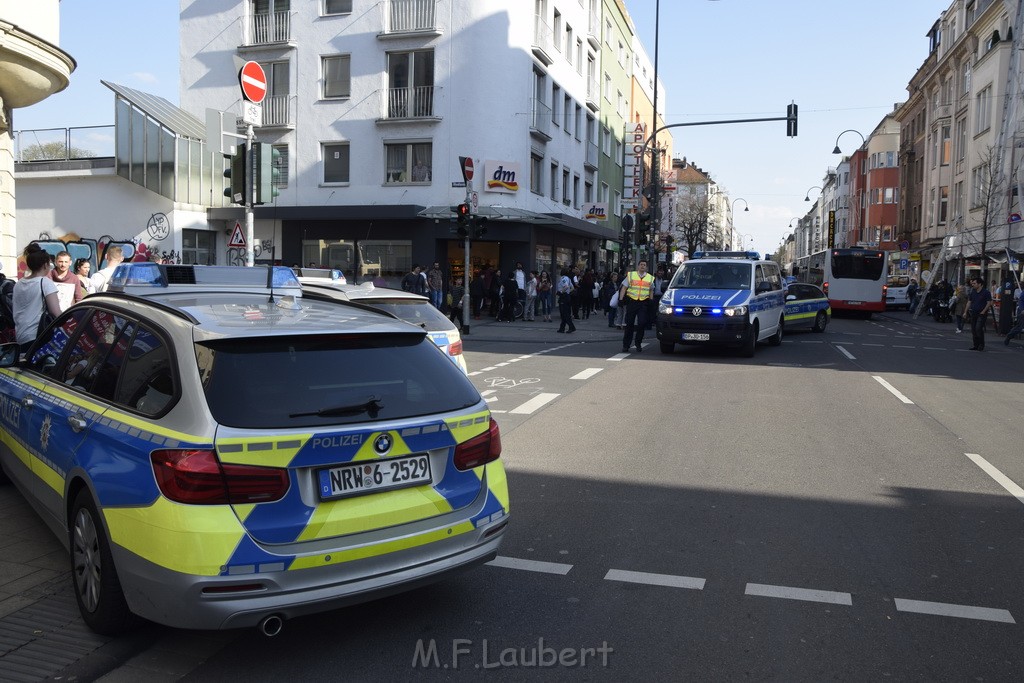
(840, 507)
(846, 506)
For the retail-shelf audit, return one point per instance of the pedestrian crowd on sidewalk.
(571, 293)
(48, 288)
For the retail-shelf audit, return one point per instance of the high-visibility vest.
(639, 287)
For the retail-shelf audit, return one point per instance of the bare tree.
(989, 200)
(55, 150)
(694, 215)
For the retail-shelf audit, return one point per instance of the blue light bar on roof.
(146, 274)
(751, 255)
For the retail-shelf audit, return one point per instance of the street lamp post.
(863, 140)
(807, 196)
(732, 213)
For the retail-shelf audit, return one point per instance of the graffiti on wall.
(94, 250)
(237, 256)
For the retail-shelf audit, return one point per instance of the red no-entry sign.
(253, 82)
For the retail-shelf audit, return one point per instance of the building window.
(604, 193)
(278, 81)
(337, 6)
(557, 30)
(961, 140)
(335, 155)
(588, 191)
(408, 163)
(943, 203)
(606, 141)
(977, 186)
(536, 173)
(556, 94)
(578, 121)
(411, 84)
(337, 76)
(617, 151)
(887, 233)
(554, 181)
(947, 153)
(281, 166)
(579, 55)
(887, 196)
(576, 191)
(567, 114)
(616, 203)
(568, 43)
(566, 198)
(983, 110)
(197, 247)
(607, 86)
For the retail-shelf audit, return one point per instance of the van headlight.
(665, 308)
(734, 311)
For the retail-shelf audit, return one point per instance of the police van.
(723, 298)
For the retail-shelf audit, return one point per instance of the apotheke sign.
(632, 184)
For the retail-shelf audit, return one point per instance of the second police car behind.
(723, 299)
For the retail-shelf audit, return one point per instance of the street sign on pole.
(252, 113)
(466, 163)
(237, 239)
(253, 81)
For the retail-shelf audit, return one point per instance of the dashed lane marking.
(586, 374)
(845, 352)
(806, 594)
(1003, 480)
(530, 565)
(534, 404)
(669, 580)
(944, 609)
(619, 356)
(892, 390)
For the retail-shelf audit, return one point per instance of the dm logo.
(502, 176)
(382, 444)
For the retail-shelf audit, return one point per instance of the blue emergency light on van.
(725, 298)
(148, 274)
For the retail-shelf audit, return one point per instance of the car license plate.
(360, 478)
(854, 303)
(695, 336)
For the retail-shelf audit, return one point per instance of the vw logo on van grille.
(697, 310)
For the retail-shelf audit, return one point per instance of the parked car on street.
(218, 451)
(807, 307)
(897, 295)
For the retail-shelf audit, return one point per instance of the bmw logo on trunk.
(382, 444)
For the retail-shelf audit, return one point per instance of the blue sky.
(845, 65)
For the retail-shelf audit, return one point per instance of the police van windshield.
(700, 275)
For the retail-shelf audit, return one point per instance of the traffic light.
(235, 191)
(643, 224)
(461, 212)
(479, 226)
(268, 172)
(791, 119)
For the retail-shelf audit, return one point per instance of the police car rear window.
(312, 381)
(416, 311)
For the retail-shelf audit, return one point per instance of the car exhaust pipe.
(271, 626)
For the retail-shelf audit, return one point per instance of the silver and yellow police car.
(807, 307)
(218, 452)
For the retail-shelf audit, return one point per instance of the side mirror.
(791, 297)
(9, 355)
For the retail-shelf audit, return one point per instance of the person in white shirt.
(114, 256)
(31, 294)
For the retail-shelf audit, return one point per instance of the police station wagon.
(723, 299)
(217, 451)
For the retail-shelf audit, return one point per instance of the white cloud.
(145, 77)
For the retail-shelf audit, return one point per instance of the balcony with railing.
(540, 121)
(410, 103)
(402, 17)
(543, 40)
(592, 155)
(270, 28)
(278, 111)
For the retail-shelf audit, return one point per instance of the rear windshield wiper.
(373, 405)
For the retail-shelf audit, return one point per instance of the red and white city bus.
(854, 279)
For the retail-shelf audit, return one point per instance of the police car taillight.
(455, 349)
(479, 450)
(197, 477)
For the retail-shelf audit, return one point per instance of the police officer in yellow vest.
(635, 294)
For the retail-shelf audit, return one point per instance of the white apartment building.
(371, 104)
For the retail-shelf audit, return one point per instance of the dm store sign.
(501, 176)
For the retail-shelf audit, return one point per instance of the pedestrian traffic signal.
(791, 120)
(235, 173)
(479, 226)
(461, 212)
(268, 172)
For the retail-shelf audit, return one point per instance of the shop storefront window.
(384, 262)
(563, 258)
(542, 260)
(197, 247)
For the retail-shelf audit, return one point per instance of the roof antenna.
(270, 284)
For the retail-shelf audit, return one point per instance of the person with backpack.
(35, 298)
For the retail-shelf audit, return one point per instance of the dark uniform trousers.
(636, 322)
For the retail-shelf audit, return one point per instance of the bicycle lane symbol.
(497, 383)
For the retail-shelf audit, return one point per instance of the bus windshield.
(865, 265)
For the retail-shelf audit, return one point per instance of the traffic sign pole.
(250, 196)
